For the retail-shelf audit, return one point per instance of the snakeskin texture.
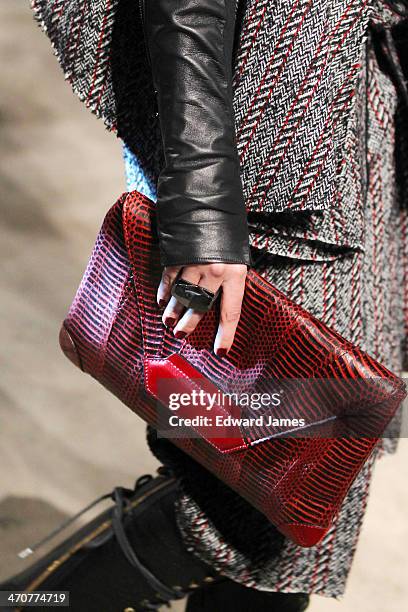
(114, 324)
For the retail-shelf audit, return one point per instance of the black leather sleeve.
(201, 209)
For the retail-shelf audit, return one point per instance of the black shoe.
(130, 557)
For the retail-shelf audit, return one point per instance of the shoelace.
(26, 552)
(121, 497)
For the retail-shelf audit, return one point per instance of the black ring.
(193, 296)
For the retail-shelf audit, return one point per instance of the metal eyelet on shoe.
(193, 585)
(209, 579)
(142, 480)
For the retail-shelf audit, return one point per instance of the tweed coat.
(320, 124)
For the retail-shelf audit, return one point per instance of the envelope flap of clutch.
(194, 402)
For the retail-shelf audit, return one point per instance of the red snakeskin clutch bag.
(113, 331)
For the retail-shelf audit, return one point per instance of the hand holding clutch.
(201, 213)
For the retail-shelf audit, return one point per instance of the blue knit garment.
(136, 178)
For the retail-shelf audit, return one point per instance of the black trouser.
(232, 597)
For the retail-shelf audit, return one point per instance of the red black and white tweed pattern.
(81, 34)
(299, 72)
(364, 296)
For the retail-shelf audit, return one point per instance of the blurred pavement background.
(64, 440)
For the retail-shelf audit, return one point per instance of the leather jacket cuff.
(200, 205)
(203, 236)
